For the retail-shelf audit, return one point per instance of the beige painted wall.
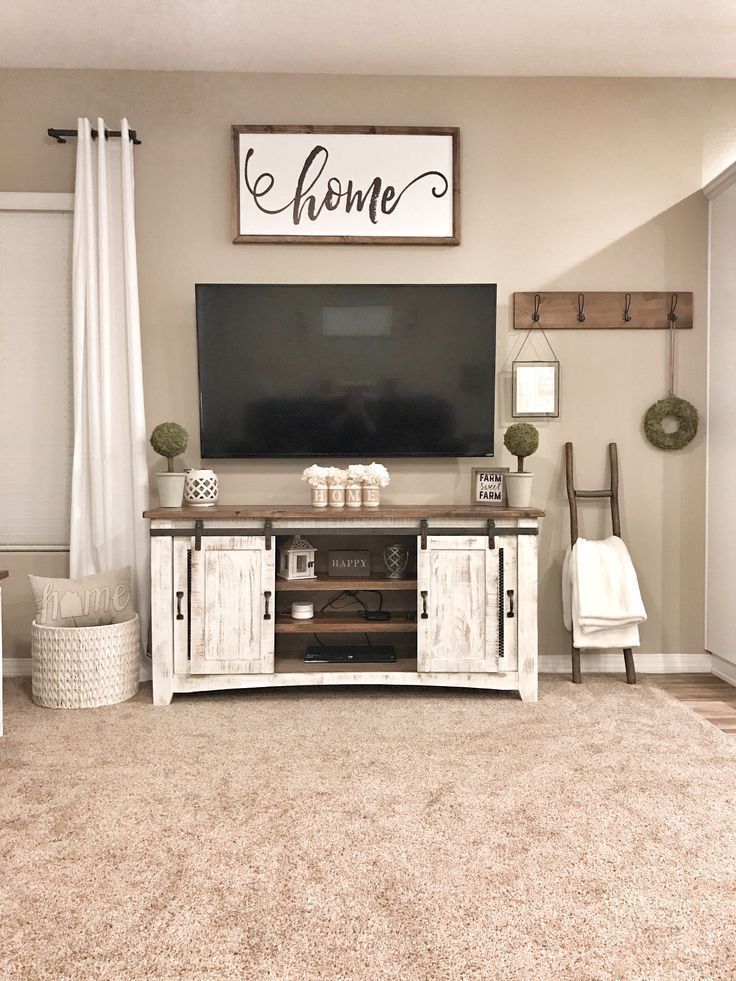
(577, 184)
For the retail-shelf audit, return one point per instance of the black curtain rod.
(61, 135)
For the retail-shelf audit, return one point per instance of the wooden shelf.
(342, 623)
(338, 516)
(337, 585)
(292, 664)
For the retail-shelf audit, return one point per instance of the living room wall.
(579, 184)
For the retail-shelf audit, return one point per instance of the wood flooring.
(705, 694)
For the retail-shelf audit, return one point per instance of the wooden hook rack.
(603, 311)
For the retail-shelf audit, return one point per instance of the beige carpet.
(374, 834)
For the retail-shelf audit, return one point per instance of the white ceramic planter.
(201, 488)
(170, 489)
(519, 489)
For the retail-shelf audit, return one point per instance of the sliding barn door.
(232, 607)
(466, 604)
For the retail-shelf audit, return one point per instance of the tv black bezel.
(344, 456)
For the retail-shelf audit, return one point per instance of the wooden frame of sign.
(284, 191)
(488, 486)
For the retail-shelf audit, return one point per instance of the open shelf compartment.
(348, 626)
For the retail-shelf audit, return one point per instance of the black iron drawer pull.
(267, 596)
(179, 598)
(510, 594)
(425, 615)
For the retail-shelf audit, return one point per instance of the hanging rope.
(672, 317)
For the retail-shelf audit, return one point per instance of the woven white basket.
(85, 667)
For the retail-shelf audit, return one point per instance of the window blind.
(36, 408)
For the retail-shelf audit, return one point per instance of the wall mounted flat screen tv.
(346, 371)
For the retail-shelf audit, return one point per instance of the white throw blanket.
(601, 602)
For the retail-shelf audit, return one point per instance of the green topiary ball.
(169, 440)
(521, 439)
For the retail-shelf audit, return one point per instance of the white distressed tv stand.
(465, 616)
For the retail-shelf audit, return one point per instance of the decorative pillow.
(92, 601)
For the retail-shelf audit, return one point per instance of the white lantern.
(296, 559)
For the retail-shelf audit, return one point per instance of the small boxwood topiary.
(521, 439)
(169, 440)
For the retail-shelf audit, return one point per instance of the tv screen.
(346, 371)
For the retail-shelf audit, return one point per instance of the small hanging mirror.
(535, 385)
(535, 389)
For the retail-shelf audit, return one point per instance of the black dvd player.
(350, 654)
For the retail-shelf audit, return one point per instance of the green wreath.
(675, 408)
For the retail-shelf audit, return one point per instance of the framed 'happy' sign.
(346, 184)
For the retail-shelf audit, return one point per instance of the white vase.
(336, 497)
(170, 489)
(354, 495)
(200, 488)
(371, 495)
(319, 496)
(519, 489)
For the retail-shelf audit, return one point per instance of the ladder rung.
(598, 493)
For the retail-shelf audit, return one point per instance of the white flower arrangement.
(376, 475)
(336, 477)
(316, 476)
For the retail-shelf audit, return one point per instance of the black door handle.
(179, 598)
(510, 594)
(267, 596)
(425, 615)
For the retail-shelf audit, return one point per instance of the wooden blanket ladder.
(573, 496)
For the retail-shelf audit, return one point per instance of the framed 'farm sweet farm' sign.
(342, 184)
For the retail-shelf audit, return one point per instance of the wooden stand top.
(231, 512)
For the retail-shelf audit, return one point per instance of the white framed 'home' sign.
(343, 184)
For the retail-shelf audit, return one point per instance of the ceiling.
(383, 37)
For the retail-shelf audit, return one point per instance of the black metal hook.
(627, 307)
(535, 311)
(672, 316)
(581, 308)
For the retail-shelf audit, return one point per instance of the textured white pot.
(200, 488)
(519, 489)
(170, 489)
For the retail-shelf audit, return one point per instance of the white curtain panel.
(110, 474)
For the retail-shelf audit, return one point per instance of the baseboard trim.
(723, 669)
(595, 662)
(598, 662)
